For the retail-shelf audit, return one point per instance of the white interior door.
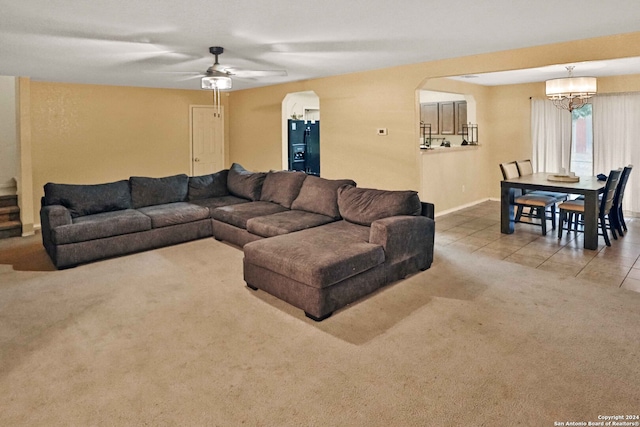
(207, 140)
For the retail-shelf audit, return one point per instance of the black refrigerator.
(304, 146)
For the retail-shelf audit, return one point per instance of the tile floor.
(477, 230)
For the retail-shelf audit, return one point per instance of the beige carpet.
(174, 337)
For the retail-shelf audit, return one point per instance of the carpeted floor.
(174, 337)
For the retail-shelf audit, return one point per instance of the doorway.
(301, 132)
(207, 139)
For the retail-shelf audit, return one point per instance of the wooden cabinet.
(446, 114)
(445, 118)
(429, 115)
(461, 115)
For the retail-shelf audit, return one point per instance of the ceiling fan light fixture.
(571, 93)
(216, 82)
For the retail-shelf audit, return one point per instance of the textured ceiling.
(162, 43)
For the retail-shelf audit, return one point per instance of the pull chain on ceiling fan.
(216, 79)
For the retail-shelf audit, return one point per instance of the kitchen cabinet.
(429, 115)
(445, 118)
(446, 113)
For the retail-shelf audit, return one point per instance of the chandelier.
(572, 92)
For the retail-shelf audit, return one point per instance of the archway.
(300, 113)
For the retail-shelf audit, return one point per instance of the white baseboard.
(468, 205)
(36, 228)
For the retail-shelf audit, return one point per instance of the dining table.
(587, 186)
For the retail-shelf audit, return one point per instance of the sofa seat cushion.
(97, 226)
(174, 213)
(218, 202)
(318, 257)
(285, 222)
(238, 215)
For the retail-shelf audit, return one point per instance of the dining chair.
(616, 217)
(576, 207)
(525, 167)
(536, 204)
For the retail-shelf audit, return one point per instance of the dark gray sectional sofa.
(318, 244)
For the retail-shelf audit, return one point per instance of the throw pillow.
(208, 186)
(365, 205)
(282, 187)
(158, 191)
(245, 184)
(320, 195)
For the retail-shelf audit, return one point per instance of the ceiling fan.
(219, 77)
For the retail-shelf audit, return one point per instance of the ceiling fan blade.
(192, 73)
(248, 74)
(196, 76)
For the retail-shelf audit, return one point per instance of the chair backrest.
(509, 170)
(609, 191)
(524, 167)
(622, 184)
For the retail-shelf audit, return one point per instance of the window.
(582, 141)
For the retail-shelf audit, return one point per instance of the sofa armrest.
(52, 216)
(403, 237)
(55, 216)
(428, 210)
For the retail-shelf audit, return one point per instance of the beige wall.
(94, 134)
(354, 105)
(90, 134)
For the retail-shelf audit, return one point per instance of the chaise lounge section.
(382, 237)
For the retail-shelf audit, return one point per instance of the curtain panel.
(616, 140)
(551, 137)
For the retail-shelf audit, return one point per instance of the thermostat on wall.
(382, 131)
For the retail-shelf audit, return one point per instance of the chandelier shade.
(570, 93)
(572, 87)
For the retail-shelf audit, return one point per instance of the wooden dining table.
(588, 186)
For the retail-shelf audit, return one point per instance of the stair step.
(11, 200)
(9, 209)
(9, 213)
(10, 229)
(9, 224)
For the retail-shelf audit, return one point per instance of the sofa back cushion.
(282, 187)
(89, 199)
(365, 205)
(320, 195)
(158, 191)
(243, 183)
(208, 186)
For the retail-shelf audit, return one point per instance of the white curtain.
(616, 140)
(551, 137)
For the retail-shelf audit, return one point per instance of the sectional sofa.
(316, 243)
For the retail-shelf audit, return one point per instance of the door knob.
(196, 159)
